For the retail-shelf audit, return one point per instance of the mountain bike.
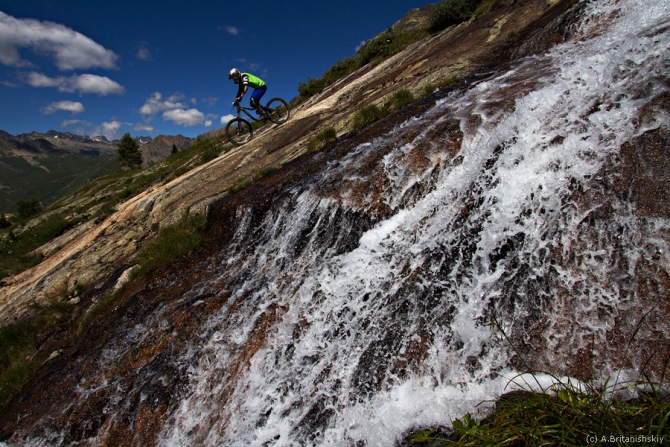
(239, 130)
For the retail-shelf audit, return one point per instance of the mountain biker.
(243, 81)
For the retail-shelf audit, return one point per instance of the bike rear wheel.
(239, 131)
(277, 110)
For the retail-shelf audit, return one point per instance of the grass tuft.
(564, 414)
(19, 342)
(321, 139)
(172, 241)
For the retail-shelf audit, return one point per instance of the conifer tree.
(129, 155)
(4, 222)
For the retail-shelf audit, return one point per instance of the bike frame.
(241, 109)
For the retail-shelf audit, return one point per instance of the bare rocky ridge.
(160, 148)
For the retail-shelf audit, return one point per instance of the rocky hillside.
(96, 253)
(160, 148)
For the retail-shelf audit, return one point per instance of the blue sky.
(153, 67)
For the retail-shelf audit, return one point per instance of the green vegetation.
(16, 249)
(375, 50)
(512, 36)
(28, 208)
(56, 176)
(321, 139)
(129, 155)
(372, 112)
(95, 201)
(451, 12)
(245, 183)
(430, 88)
(19, 342)
(171, 242)
(442, 15)
(367, 115)
(565, 414)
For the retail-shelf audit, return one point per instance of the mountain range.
(48, 166)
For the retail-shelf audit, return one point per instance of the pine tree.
(174, 149)
(28, 208)
(4, 222)
(129, 155)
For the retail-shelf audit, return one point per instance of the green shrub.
(15, 249)
(490, 5)
(430, 88)
(18, 343)
(400, 99)
(374, 50)
(26, 209)
(172, 241)
(4, 222)
(239, 186)
(563, 415)
(372, 112)
(512, 36)
(245, 183)
(322, 138)
(312, 87)
(367, 115)
(451, 12)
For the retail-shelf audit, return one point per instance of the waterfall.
(368, 299)
(363, 336)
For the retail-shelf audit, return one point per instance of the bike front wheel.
(277, 110)
(239, 131)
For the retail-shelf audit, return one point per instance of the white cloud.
(186, 118)
(69, 49)
(226, 118)
(144, 128)
(111, 130)
(208, 123)
(210, 101)
(86, 83)
(67, 106)
(143, 52)
(233, 31)
(68, 123)
(156, 103)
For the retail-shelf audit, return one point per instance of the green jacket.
(252, 81)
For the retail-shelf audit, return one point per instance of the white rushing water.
(373, 338)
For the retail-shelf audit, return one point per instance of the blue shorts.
(258, 93)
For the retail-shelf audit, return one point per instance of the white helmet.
(234, 74)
